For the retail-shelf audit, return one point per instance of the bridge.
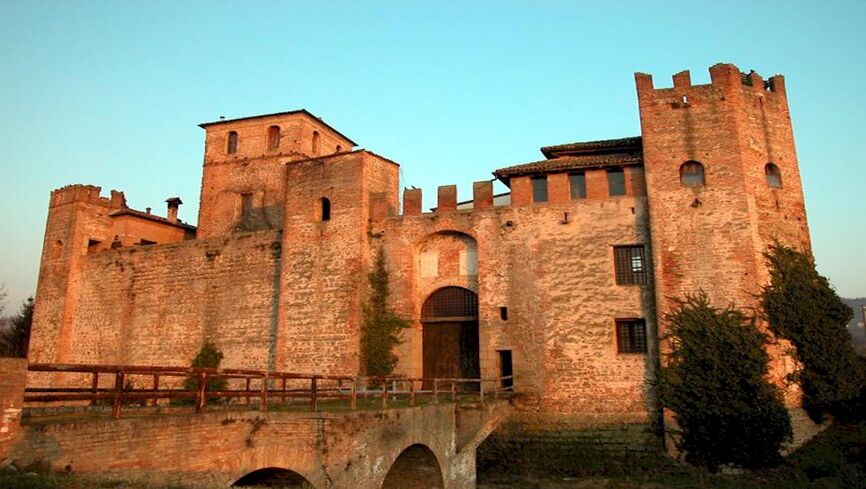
(230, 427)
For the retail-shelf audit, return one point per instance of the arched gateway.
(449, 319)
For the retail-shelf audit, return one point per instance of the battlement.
(86, 193)
(722, 75)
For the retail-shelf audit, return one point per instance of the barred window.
(631, 336)
(450, 304)
(630, 265)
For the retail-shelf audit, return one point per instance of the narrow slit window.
(232, 143)
(506, 369)
(326, 209)
(246, 204)
(539, 188)
(273, 138)
(631, 336)
(615, 182)
(630, 265)
(692, 174)
(774, 175)
(503, 313)
(577, 183)
(316, 139)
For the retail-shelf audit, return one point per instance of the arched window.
(316, 143)
(339, 148)
(692, 174)
(326, 209)
(232, 143)
(774, 175)
(273, 138)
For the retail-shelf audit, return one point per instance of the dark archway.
(274, 477)
(415, 468)
(450, 335)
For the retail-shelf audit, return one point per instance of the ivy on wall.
(381, 327)
(802, 307)
(716, 383)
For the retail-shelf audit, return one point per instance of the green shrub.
(802, 307)
(381, 328)
(716, 383)
(208, 357)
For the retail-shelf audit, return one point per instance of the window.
(146, 242)
(539, 189)
(615, 182)
(631, 336)
(577, 183)
(630, 265)
(315, 143)
(339, 148)
(232, 143)
(506, 368)
(273, 138)
(93, 245)
(326, 209)
(246, 205)
(774, 175)
(692, 174)
(503, 313)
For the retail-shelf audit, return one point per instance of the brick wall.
(13, 376)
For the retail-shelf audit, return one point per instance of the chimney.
(173, 204)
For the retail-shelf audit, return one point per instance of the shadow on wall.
(274, 477)
(415, 468)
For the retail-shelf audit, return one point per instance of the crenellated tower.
(723, 182)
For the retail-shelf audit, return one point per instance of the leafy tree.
(208, 357)
(380, 331)
(15, 333)
(716, 383)
(803, 308)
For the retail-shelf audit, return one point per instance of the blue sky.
(110, 93)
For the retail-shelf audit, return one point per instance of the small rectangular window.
(503, 313)
(616, 182)
(631, 336)
(539, 189)
(506, 369)
(630, 265)
(577, 182)
(146, 242)
(246, 204)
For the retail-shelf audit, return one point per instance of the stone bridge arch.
(274, 477)
(415, 468)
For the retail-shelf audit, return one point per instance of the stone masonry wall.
(13, 376)
(557, 281)
(155, 305)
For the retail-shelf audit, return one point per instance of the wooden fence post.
(314, 394)
(264, 400)
(118, 394)
(201, 394)
(94, 387)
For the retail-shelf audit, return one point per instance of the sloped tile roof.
(603, 145)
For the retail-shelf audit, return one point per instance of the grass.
(834, 459)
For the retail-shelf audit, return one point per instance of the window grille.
(630, 265)
(452, 303)
(631, 336)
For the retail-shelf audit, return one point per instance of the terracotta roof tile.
(566, 163)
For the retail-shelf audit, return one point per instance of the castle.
(561, 282)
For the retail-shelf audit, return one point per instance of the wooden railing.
(120, 385)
